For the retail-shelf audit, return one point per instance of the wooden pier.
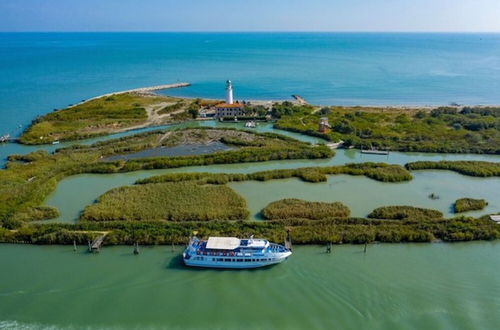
(288, 241)
(95, 246)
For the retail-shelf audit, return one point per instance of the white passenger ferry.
(232, 252)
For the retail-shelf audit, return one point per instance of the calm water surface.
(400, 286)
(359, 193)
(43, 71)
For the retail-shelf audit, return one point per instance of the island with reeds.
(167, 208)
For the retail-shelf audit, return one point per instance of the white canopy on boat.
(223, 243)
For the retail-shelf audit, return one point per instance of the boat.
(374, 151)
(232, 252)
(4, 138)
(250, 124)
(55, 142)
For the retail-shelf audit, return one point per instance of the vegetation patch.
(404, 213)
(469, 204)
(471, 168)
(37, 213)
(185, 201)
(445, 129)
(92, 118)
(302, 231)
(29, 179)
(377, 171)
(297, 208)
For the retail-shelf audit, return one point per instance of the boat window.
(220, 259)
(239, 260)
(227, 260)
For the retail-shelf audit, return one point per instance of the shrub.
(404, 213)
(469, 204)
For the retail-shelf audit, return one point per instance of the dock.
(375, 152)
(335, 145)
(95, 246)
(299, 99)
(495, 218)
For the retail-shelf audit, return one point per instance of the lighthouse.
(229, 92)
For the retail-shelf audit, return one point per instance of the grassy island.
(469, 204)
(376, 171)
(404, 213)
(302, 231)
(290, 208)
(102, 116)
(29, 179)
(168, 201)
(444, 129)
(471, 168)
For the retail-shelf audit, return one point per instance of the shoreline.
(147, 89)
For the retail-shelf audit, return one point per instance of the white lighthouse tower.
(229, 92)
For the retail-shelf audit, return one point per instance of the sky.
(251, 15)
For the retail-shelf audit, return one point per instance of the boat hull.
(207, 262)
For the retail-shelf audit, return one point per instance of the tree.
(194, 112)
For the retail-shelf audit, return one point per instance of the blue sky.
(250, 15)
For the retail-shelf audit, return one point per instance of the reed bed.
(296, 208)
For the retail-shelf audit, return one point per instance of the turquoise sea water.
(43, 71)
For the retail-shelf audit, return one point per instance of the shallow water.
(180, 150)
(399, 286)
(360, 193)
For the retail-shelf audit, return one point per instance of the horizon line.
(249, 31)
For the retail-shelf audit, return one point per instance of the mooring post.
(329, 247)
(365, 248)
(136, 248)
(172, 246)
(90, 246)
(74, 245)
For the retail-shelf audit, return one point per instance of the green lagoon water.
(398, 286)
(361, 194)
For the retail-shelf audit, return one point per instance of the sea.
(40, 72)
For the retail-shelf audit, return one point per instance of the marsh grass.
(404, 213)
(465, 167)
(290, 208)
(469, 204)
(184, 201)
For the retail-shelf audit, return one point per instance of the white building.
(229, 108)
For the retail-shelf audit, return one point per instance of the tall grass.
(185, 201)
(471, 168)
(377, 171)
(469, 204)
(404, 213)
(297, 208)
(351, 230)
